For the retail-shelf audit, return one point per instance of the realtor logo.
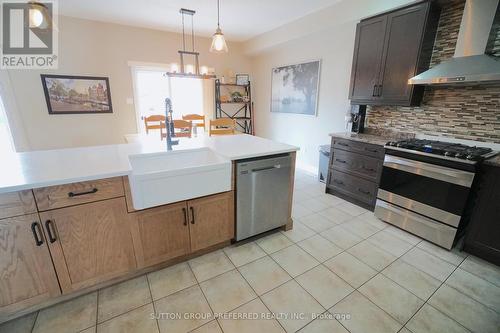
(29, 39)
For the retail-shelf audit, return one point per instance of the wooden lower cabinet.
(90, 243)
(160, 234)
(211, 220)
(27, 276)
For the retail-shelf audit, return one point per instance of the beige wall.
(334, 48)
(101, 49)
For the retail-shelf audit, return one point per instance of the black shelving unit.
(242, 113)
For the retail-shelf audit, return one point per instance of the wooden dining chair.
(222, 126)
(196, 119)
(185, 128)
(154, 122)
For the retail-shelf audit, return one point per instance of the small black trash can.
(324, 158)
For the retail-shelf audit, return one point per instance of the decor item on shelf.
(240, 108)
(236, 96)
(67, 94)
(218, 41)
(242, 79)
(294, 88)
(189, 70)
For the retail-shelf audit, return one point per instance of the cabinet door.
(367, 60)
(27, 276)
(90, 243)
(160, 234)
(405, 31)
(211, 220)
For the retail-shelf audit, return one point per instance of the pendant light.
(218, 41)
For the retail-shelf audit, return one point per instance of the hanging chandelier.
(218, 41)
(189, 70)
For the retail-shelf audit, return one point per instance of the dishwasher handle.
(276, 166)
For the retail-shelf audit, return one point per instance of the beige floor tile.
(404, 330)
(210, 265)
(364, 315)
(242, 320)
(419, 283)
(19, 325)
(273, 242)
(320, 248)
(315, 205)
(138, 320)
(372, 255)
(482, 268)
(373, 220)
(122, 297)
(317, 222)
(390, 243)
(244, 253)
(404, 235)
(341, 237)
(300, 196)
(454, 256)
(171, 280)
(336, 215)
(89, 330)
(468, 312)
(326, 287)
(299, 232)
(71, 316)
(315, 190)
(430, 320)
(228, 291)
(360, 227)
(428, 263)
(351, 209)
(185, 302)
(392, 298)
(329, 199)
(294, 260)
(350, 269)
(324, 326)
(264, 274)
(211, 327)
(299, 211)
(290, 299)
(476, 288)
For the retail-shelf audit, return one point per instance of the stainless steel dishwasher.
(262, 194)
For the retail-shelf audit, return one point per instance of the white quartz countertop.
(20, 171)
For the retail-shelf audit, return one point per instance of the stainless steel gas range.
(425, 187)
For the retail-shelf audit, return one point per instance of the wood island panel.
(17, 203)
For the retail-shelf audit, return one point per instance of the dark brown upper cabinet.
(390, 49)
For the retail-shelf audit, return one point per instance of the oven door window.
(433, 192)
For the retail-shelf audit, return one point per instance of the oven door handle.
(459, 177)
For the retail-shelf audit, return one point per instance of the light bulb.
(36, 17)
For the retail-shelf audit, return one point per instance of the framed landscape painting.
(295, 88)
(67, 94)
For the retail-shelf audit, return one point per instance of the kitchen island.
(71, 226)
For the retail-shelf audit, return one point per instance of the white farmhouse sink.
(166, 177)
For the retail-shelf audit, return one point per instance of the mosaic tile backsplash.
(461, 111)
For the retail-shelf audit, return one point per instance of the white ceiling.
(240, 19)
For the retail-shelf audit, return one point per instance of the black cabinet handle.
(35, 229)
(340, 161)
(374, 92)
(184, 211)
(192, 214)
(371, 150)
(363, 191)
(338, 182)
(379, 90)
(368, 169)
(75, 194)
(342, 144)
(48, 227)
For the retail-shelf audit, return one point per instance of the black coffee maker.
(358, 114)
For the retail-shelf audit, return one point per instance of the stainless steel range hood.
(469, 64)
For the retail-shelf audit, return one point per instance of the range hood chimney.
(470, 63)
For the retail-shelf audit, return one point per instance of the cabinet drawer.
(17, 203)
(357, 164)
(360, 189)
(359, 147)
(78, 193)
